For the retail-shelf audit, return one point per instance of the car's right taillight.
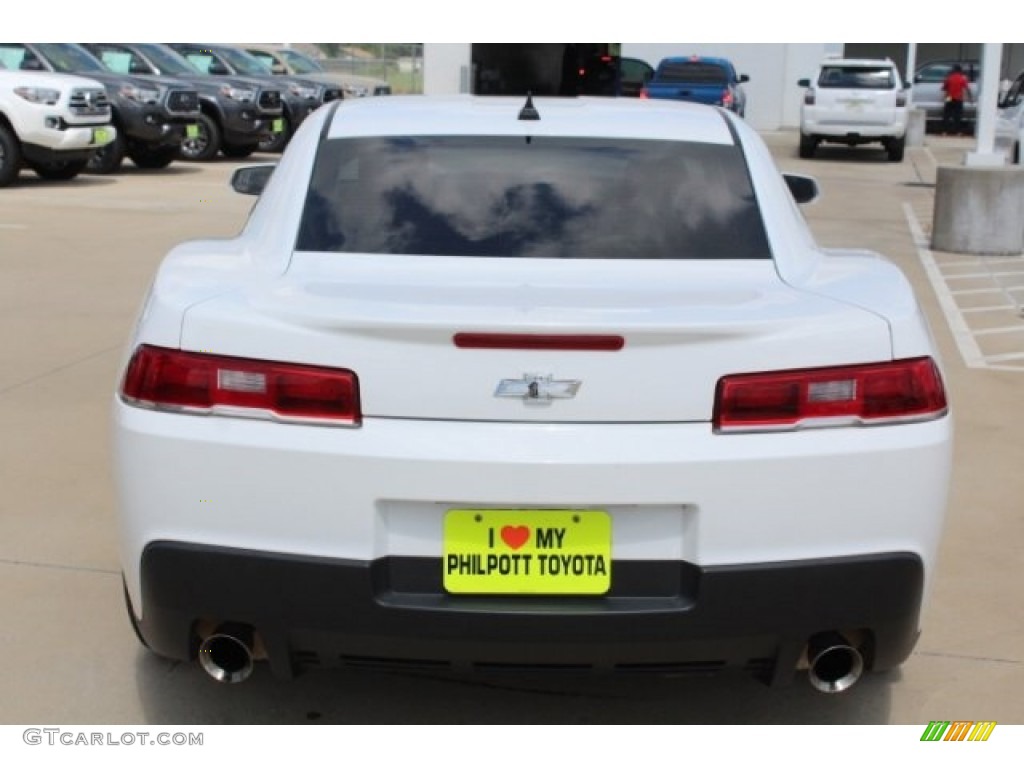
(205, 384)
(858, 395)
(809, 97)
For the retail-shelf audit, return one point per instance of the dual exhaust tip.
(226, 654)
(835, 663)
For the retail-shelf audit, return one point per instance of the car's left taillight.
(206, 384)
(893, 392)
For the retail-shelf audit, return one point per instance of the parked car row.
(148, 102)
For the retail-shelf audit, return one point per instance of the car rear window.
(856, 77)
(539, 197)
(692, 72)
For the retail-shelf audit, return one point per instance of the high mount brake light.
(560, 342)
(199, 383)
(859, 395)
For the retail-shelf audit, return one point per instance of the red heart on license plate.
(515, 536)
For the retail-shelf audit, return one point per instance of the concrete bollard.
(916, 123)
(979, 210)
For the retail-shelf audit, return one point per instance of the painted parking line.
(965, 341)
(1003, 341)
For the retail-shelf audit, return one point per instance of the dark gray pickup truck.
(236, 114)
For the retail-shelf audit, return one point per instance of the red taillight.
(809, 97)
(171, 379)
(644, 94)
(727, 98)
(881, 393)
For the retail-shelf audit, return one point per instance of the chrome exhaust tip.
(226, 655)
(835, 664)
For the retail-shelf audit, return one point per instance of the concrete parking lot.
(75, 261)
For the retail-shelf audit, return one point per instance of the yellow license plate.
(100, 136)
(192, 131)
(277, 126)
(527, 552)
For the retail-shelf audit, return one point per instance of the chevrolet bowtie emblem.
(534, 389)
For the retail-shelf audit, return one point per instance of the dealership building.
(773, 96)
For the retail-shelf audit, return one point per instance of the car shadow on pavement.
(175, 693)
(839, 153)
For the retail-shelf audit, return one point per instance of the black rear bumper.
(667, 617)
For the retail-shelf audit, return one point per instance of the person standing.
(956, 87)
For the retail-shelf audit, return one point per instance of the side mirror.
(252, 179)
(804, 189)
(278, 69)
(804, 82)
(216, 68)
(744, 78)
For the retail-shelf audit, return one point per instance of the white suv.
(854, 101)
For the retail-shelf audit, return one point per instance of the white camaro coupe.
(530, 384)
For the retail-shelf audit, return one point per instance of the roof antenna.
(529, 112)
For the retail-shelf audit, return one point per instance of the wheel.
(895, 149)
(59, 170)
(808, 145)
(237, 151)
(277, 141)
(108, 158)
(154, 158)
(10, 156)
(206, 144)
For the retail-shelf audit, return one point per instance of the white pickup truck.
(51, 123)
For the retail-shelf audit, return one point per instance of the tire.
(808, 145)
(59, 170)
(278, 141)
(237, 152)
(154, 158)
(206, 145)
(10, 156)
(108, 158)
(895, 149)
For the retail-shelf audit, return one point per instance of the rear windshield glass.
(856, 77)
(534, 197)
(692, 72)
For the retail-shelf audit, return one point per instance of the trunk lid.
(393, 320)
